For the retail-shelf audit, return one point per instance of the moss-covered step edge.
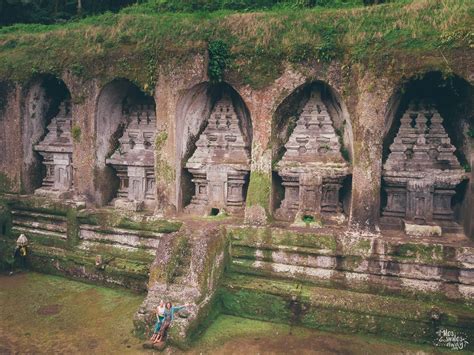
(384, 266)
(340, 310)
(321, 243)
(38, 204)
(87, 273)
(375, 284)
(108, 219)
(132, 267)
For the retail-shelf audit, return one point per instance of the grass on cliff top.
(130, 44)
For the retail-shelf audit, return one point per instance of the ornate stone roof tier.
(314, 138)
(58, 139)
(422, 143)
(222, 141)
(136, 146)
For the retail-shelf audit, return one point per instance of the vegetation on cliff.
(132, 42)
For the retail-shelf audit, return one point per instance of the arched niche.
(195, 109)
(46, 137)
(437, 113)
(125, 141)
(312, 151)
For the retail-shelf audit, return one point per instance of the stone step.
(40, 225)
(342, 310)
(37, 232)
(38, 215)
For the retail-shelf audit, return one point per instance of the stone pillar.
(368, 124)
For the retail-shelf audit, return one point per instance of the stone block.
(419, 230)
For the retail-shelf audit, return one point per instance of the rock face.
(56, 150)
(134, 160)
(421, 172)
(312, 167)
(221, 163)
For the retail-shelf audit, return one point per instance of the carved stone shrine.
(56, 150)
(312, 167)
(134, 160)
(421, 172)
(220, 164)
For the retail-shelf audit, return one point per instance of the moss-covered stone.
(5, 183)
(340, 310)
(259, 191)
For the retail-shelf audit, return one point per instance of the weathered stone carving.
(56, 150)
(312, 167)
(421, 172)
(134, 160)
(220, 163)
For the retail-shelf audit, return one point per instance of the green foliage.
(470, 132)
(40, 11)
(259, 43)
(219, 59)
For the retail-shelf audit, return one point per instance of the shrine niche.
(312, 170)
(424, 177)
(219, 165)
(56, 150)
(128, 123)
(47, 141)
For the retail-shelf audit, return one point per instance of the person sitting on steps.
(160, 315)
(168, 317)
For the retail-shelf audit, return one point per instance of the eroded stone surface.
(221, 163)
(312, 167)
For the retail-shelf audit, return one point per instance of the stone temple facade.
(421, 172)
(220, 164)
(56, 150)
(312, 167)
(134, 160)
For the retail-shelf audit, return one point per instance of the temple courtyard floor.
(48, 314)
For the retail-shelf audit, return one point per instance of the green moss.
(267, 237)
(112, 218)
(76, 133)
(164, 171)
(179, 260)
(259, 190)
(422, 252)
(340, 310)
(5, 183)
(73, 228)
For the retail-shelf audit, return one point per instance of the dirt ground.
(43, 314)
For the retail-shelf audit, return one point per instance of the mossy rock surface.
(341, 310)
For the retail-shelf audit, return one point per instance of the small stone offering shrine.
(421, 172)
(220, 164)
(56, 150)
(312, 168)
(134, 159)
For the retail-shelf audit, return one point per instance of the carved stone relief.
(133, 160)
(220, 164)
(421, 172)
(312, 168)
(56, 150)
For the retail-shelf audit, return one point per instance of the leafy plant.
(219, 59)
